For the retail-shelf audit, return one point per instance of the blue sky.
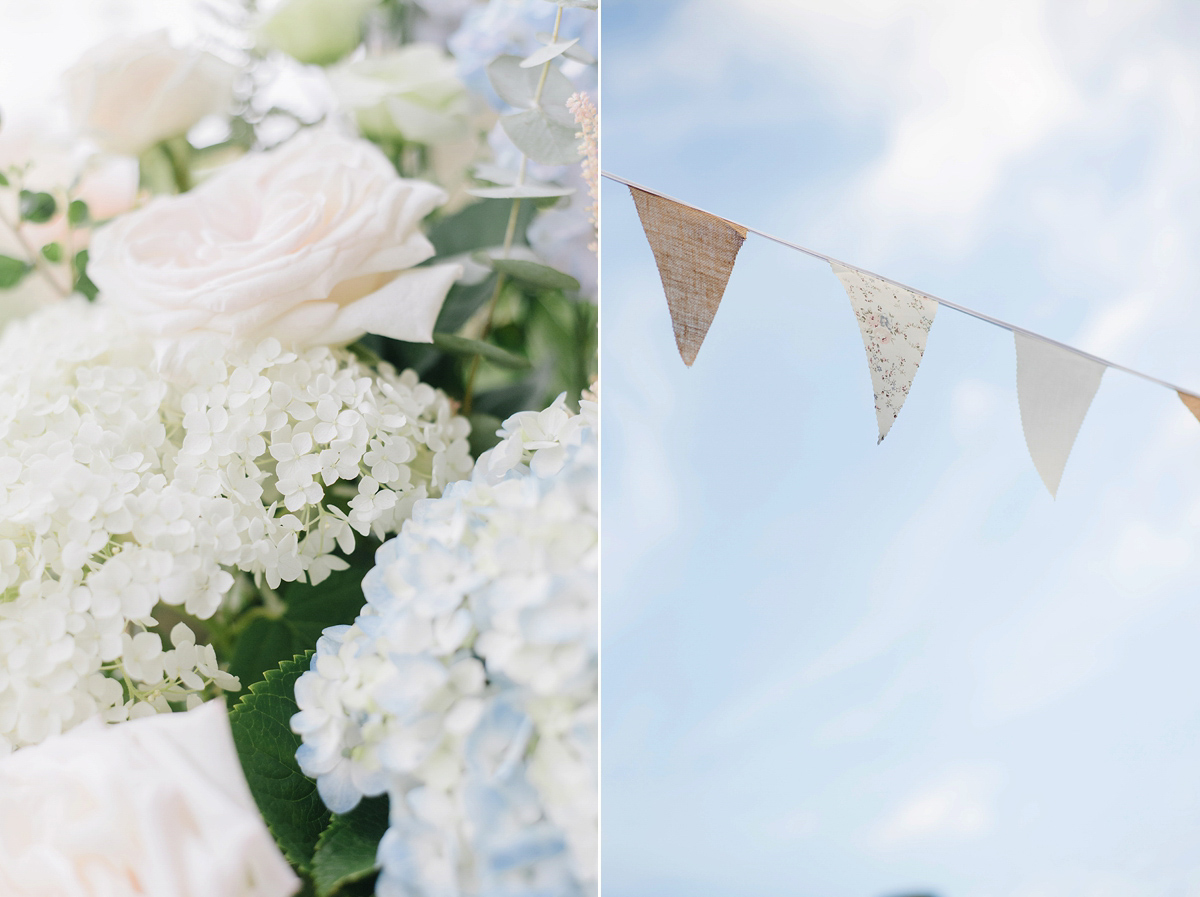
(834, 668)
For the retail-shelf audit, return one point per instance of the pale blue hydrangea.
(466, 688)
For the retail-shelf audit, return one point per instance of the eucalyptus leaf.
(37, 208)
(52, 252)
(518, 86)
(540, 138)
(545, 54)
(582, 4)
(347, 849)
(463, 301)
(495, 174)
(266, 746)
(460, 345)
(12, 271)
(534, 274)
(527, 190)
(83, 283)
(578, 54)
(479, 224)
(77, 213)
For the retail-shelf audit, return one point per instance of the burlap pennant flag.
(1193, 403)
(1055, 388)
(695, 253)
(894, 323)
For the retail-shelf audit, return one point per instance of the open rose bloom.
(156, 807)
(313, 243)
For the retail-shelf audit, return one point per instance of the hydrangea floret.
(466, 688)
(122, 490)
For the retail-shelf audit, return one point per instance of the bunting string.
(695, 251)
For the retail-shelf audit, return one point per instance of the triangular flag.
(894, 323)
(1193, 403)
(1055, 387)
(695, 253)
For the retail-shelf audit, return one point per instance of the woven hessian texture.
(695, 253)
(1193, 403)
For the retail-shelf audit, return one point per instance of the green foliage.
(477, 225)
(458, 345)
(346, 850)
(3, 180)
(308, 610)
(12, 271)
(267, 747)
(518, 86)
(462, 302)
(52, 252)
(535, 275)
(541, 138)
(78, 213)
(83, 284)
(37, 208)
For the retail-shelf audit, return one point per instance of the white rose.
(318, 32)
(131, 94)
(310, 243)
(156, 806)
(412, 93)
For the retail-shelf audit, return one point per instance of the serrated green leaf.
(540, 138)
(12, 271)
(535, 275)
(37, 208)
(77, 213)
(309, 610)
(463, 301)
(52, 252)
(266, 746)
(347, 848)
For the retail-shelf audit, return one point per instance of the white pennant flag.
(1055, 388)
(894, 323)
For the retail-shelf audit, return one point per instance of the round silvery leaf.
(545, 54)
(540, 138)
(518, 86)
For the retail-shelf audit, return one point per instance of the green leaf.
(548, 52)
(3, 180)
(540, 138)
(52, 252)
(477, 225)
(83, 283)
(504, 401)
(12, 271)
(347, 848)
(534, 274)
(77, 213)
(37, 208)
(460, 345)
(483, 432)
(518, 87)
(266, 746)
(310, 610)
(463, 301)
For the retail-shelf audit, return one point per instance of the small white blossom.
(121, 490)
(466, 688)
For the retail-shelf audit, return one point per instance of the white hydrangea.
(466, 688)
(121, 489)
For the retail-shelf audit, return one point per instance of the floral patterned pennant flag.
(894, 323)
(1055, 388)
(695, 253)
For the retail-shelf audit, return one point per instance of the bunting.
(894, 324)
(695, 252)
(1055, 388)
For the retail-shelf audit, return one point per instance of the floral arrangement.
(298, 548)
